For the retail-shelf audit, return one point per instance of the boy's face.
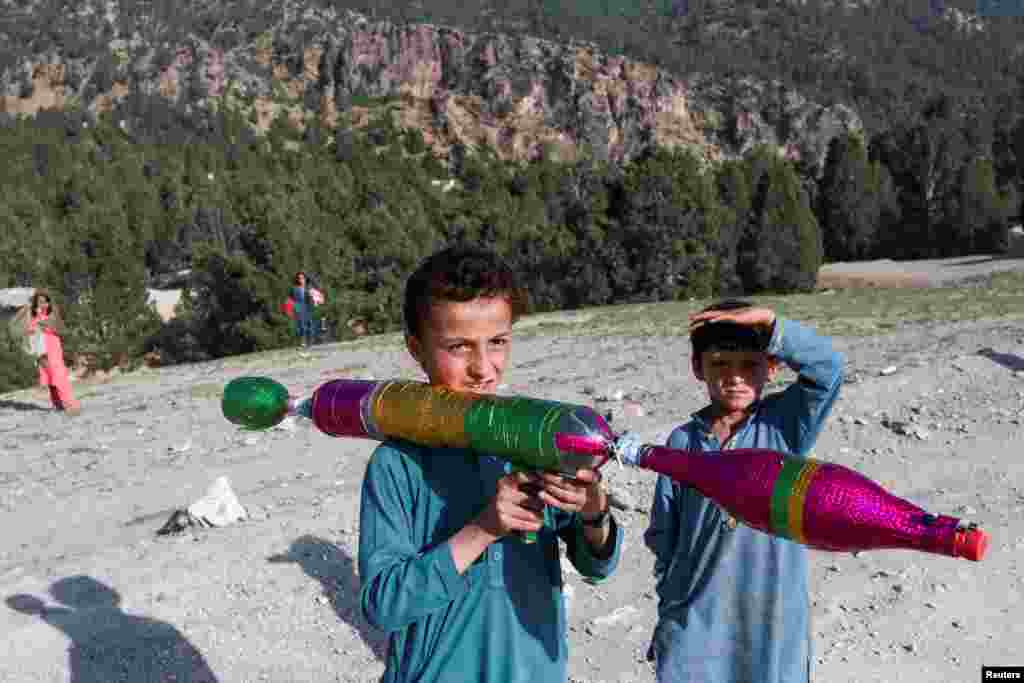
(464, 345)
(735, 379)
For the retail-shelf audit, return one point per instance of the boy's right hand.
(751, 317)
(515, 506)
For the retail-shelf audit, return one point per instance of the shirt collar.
(703, 416)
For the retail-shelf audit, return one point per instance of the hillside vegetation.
(96, 210)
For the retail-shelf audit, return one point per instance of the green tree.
(982, 213)
(848, 209)
(782, 250)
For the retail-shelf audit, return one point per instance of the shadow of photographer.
(108, 645)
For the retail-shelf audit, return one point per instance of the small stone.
(620, 615)
(909, 647)
(890, 370)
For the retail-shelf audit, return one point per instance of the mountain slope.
(516, 93)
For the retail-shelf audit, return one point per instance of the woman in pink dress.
(53, 373)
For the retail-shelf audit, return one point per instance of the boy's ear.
(698, 366)
(414, 347)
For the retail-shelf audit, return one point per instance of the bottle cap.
(971, 544)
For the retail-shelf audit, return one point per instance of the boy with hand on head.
(733, 601)
(443, 570)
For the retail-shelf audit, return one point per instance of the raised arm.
(808, 401)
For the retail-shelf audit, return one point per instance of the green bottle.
(255, 402)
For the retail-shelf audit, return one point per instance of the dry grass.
(848, 312)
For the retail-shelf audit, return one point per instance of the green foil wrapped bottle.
(255, 402)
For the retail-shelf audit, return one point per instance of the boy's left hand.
(582, 494)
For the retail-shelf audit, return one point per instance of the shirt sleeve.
(594, 569)
(804, 405)
(401, 583)
(663, 530)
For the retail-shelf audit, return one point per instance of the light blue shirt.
(503, 620)
(733, 601)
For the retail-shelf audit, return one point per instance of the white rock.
(618, 616)
(220, 506)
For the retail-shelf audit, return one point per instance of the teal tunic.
(734, 602)
(503, 620)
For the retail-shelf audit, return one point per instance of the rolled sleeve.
(809, 400)
(595, 569)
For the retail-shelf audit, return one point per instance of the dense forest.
(97, 211)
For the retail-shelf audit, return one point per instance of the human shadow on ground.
(335, 570)
(109, 645)
(1007, 360)
(21, 405)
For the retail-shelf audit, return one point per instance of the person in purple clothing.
(733, 602)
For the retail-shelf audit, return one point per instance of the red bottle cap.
(971, 544)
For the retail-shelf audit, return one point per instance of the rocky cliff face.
(517, 94)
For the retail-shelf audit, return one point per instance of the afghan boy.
(442, 566)
(733, 602)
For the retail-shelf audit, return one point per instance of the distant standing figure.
(43, 315)
(302, 305)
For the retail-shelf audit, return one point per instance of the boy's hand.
(515, 507)
(581, 494)
(752, 317)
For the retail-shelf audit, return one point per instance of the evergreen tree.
(982, 213)
(782, 249)
(848, 210)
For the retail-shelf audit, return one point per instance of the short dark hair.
(726, 336)
(459, 273)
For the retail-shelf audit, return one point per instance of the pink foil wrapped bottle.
(818, 504)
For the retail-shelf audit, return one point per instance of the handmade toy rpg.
(818, 504)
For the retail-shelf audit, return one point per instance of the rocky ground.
(933, 411)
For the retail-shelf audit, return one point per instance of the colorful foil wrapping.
(818, 504)
(525, 431)
(255, 402)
